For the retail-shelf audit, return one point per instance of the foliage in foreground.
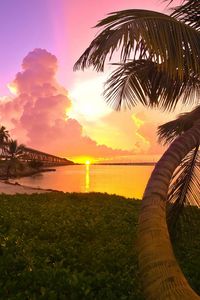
(77, 246)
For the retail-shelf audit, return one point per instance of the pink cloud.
(148, 134)
(37, 115)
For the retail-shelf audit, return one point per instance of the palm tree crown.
(14, 150)
(4, 135)
(159, 58)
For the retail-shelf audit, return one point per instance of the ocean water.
(124, 180)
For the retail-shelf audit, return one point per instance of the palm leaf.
(189, 13)
(146, 82)
(185, 186)
(144, 34)
(171, 130)
(15, 150)
(4, 134)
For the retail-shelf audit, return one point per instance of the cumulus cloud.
(37, 115)
(147, 134)
(133, 130)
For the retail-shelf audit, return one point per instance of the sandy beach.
(11, 189)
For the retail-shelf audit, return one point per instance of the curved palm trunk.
(162, 277)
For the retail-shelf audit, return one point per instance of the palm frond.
(4, 134)
(14, 150)
(171, 130)
(185, 186)
(144, 34)
(146, 82)
(189, 13)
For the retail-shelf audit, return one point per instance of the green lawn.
(77, 246)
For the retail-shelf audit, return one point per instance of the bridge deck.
(30, 154)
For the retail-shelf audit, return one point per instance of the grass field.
(78, 246)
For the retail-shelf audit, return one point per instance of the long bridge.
(30, 154)
(47, 159)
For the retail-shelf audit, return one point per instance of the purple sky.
(62, 27)
(41, 109)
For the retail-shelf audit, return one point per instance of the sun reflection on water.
(128, 181)
(87, 177)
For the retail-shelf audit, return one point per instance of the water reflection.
(87, 178)
(128, 181)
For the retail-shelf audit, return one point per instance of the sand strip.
(11, 189)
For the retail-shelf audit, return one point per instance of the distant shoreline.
(127, 164)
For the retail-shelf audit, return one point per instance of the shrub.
(35, 164)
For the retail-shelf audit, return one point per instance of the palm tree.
(14, 150)
(185, 185)
(4, 136)
(14, 153)
(159, 67)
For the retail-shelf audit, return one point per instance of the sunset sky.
(47, 106)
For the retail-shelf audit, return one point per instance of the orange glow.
(138, 122)
(67, 113)
(92, 178)
(87, 178)
(83, 96)
(84, 160)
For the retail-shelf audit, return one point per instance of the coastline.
(25, 173)
(9, 188)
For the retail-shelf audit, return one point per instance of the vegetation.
(35, 164)
(4, 137)
(77, 246)
(14, 151)
(13, 154)
(17, 160)
(12, 163)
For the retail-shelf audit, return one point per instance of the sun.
(84, 160)
(87, 100)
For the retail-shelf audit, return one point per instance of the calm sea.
(124, 180)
